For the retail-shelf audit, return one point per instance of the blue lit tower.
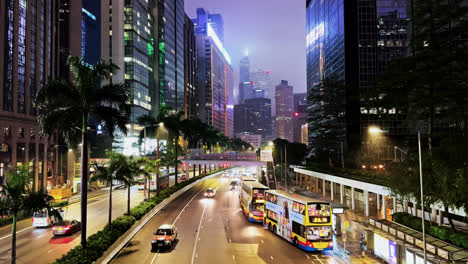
(214, 75)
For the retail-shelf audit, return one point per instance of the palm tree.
(17, 196)
(103, 172)
(69, 105)
(147, 167)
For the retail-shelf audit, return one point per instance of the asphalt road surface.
(215, 231)
(38, 245)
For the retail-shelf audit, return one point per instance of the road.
(215, 231)
(38, 245)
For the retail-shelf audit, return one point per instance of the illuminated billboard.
(385, 249)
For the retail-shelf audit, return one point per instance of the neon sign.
(212, 34)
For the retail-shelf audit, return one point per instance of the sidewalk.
(353, 236)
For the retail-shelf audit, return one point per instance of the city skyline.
(258, 36)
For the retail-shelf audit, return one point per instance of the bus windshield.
(257, 193)
(318, 209)
(319, 233)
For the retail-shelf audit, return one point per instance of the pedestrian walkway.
(353, 236)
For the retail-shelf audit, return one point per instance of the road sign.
(343, 235)
(346, 224)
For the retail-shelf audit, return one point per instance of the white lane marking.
(16, 232)
(50, 251)
(155, 256)
(230, 241)
(271, 257)
(263, 241)
(178, 216)
(321, 262)
(307, 256)
(198, 233)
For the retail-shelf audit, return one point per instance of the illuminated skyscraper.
(263, 86)
(353, 41)
(214, 75)
(284, 111)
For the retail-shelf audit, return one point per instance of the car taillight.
(66, 227)
(54, 228)
(33, 220)
(330, 244)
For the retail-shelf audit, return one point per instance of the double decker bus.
(303, 221)
(251, 200)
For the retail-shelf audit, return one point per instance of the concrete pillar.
(331, 190)
(395, 206)
(434, 214)
(352, 199)
(405, 207)
(378, 201)
(384, 209)
(205, 168)
(324, 188)
(440, 217)
(297, 181)
(316, 185)
(341, 193)
(366, 202)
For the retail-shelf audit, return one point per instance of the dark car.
(210, 193)
(66, 227)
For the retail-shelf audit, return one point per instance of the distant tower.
(245, 85)
(284, 111)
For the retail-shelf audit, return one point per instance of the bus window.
(299, 208)
(319, 209)
(257, 193)
(298, 229)
(319, 232)
(272, 215)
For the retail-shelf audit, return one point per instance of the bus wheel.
(269, 227)
(274, 229)
(295, 242)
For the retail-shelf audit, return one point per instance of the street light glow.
(375, 130)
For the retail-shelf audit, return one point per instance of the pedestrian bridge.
(222, 159)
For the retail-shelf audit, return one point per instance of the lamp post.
(158, 126)
(422, 195)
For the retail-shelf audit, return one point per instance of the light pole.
(422, 195)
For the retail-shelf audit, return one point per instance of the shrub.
(59, 204)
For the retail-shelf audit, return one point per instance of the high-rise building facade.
(353, 41)
(190, 68)
(260, 117)
(242, 116)
(263, 85)
(284, 111)
(169, 33)
(245, 84)
(146, 40)
(29, 57)
(214, 75)
(300, 115)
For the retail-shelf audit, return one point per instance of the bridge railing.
(222, 156)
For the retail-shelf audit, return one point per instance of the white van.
(42, 219)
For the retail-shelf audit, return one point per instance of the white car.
(41, 219)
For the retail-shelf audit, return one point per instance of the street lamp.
(375, 130)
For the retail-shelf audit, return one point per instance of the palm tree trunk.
(128, 201)
(175, 166)
(84, 180)
(157, 167)
(110, 205)
(13, 240)
(450, 219)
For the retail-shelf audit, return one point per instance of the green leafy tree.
(18, 196)
(69, 105)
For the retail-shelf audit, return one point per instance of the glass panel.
(319, 232)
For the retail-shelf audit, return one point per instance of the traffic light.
(296, 114)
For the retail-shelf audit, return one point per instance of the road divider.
(103, 246)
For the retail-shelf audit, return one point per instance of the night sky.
(273, 32)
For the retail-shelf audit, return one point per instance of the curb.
(123, 240)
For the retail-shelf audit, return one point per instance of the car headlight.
(166, 242)
(154, 241)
